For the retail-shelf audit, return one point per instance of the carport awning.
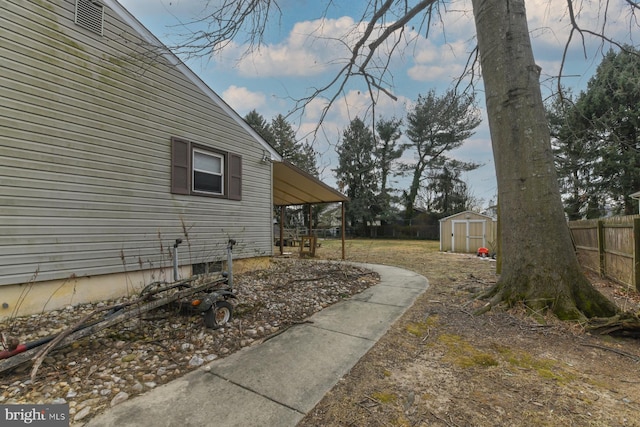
(293, 186)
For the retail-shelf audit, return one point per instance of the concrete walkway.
(277, 382)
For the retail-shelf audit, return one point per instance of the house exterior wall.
(85, 152)
(466, 232)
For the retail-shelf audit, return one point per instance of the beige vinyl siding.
(85, 153)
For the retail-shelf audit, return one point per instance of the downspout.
(282, 210)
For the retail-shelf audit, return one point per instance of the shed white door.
(468, 235)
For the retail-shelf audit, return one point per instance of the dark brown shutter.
(180, 161)
(235, 177)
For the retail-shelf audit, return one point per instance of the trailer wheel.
(218, 315)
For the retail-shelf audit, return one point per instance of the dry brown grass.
(441, 366)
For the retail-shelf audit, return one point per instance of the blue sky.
(293, 61)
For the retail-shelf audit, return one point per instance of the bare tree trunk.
(539, 266)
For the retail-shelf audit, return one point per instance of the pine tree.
(387, 152)
(260, 125)
(435, 126)
(610, 106)
(356, 172)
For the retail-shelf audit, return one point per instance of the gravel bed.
(134, 356)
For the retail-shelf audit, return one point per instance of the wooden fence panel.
(586, 239)
(610, 247)
(618, 251)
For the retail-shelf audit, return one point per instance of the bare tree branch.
(386, 22)
(226, 22)
(399, 24)
(473, 62)
(576, 28)
(352, 69)
(633, 4)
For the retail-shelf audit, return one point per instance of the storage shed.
(467, 231)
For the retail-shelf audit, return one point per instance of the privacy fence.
(610, 247)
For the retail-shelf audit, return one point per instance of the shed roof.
(465, 213)
(293, 186)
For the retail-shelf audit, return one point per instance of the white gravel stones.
(196, 361)
(118, 363)
(82, 414)
(119, 398)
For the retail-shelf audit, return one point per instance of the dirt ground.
(441, 366)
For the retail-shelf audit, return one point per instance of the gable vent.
(90, 15)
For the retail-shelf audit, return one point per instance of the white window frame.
(220, 174)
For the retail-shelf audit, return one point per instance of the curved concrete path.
(277, 382)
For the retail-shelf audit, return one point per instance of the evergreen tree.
(576, 158)
(387, 152)
(300, 154)
(435, 126)
(356, 173)
(612, 109)
(597, 139)
(260, 125)
(282, 137)
(450, 194)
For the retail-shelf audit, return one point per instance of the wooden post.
(312, 245)
(636, 253)
(601, 258)
(343, 231)
(282, 211)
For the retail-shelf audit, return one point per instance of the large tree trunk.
(539, 266)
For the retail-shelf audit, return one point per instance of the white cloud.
(550, 24)
(430, 73)
(243, 100)
(439, 62)
(355, 104)
(442, 56)
(311, 48)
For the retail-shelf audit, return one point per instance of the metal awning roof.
(293, 186)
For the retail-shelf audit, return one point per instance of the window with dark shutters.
(201, 171)
(180, 166)
(235, 177)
